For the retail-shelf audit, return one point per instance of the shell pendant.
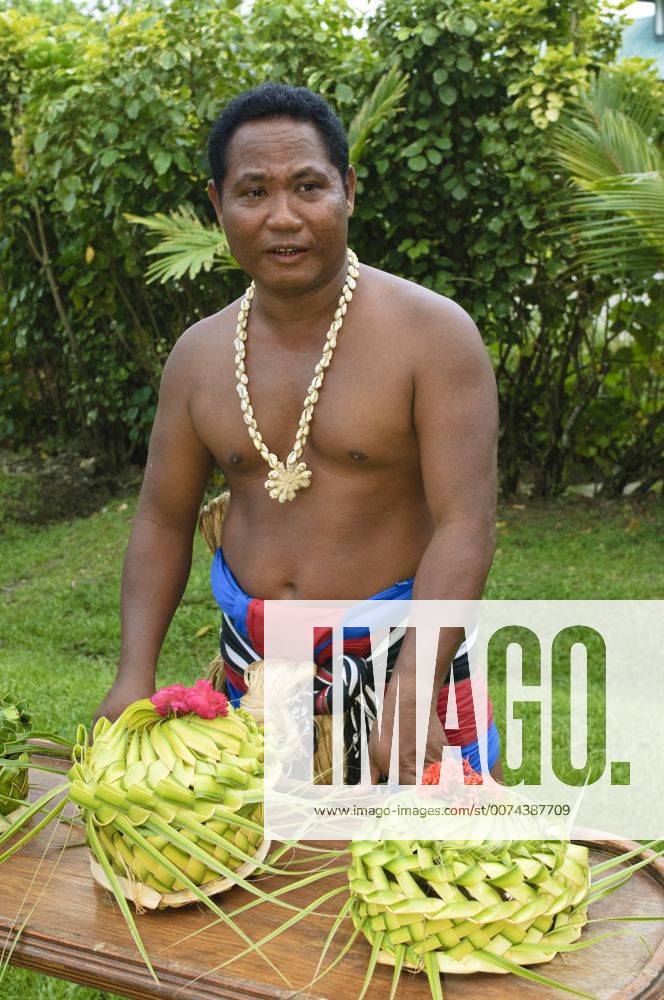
(283, 482)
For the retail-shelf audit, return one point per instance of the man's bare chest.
(362, 420)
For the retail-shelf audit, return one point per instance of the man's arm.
(158, 557)
(455, 413)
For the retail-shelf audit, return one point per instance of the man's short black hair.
(271, 100)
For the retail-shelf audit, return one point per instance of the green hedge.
(109, 114)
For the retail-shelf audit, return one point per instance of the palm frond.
(382, 101)
(592, 153)
(621, 224)
(607, 147)
(612, 90)
(186, 245)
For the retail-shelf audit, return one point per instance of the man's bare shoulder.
(202, 340)
(431, 325)
(208, 330)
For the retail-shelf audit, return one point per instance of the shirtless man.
(402, 446)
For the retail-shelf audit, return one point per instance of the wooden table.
(77, 932)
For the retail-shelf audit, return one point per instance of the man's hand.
(123, 692)
(380, 746)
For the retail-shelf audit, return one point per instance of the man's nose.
(282, 212)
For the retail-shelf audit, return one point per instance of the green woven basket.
(432, 903)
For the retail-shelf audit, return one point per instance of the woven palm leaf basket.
(14, 783)
(170, 798)
(460, 908)
(176, 803)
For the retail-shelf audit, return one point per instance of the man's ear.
(350, 188)
(213, 195)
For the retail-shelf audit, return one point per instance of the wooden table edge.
(107, 972)
(649, 984)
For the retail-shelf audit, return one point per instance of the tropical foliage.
(612, 151)
(104, 120)
(611, 148)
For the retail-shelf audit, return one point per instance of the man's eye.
(310, 184)
(255, 191)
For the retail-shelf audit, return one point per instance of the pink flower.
(201, 699)
(171, 700)
(205, 701)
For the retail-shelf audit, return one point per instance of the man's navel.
(359, 456)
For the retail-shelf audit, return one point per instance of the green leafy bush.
(107, 116)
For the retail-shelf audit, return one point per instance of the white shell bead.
(247, 418)
(348, 295)
(314, 396)
(243, 379)
(343, 309)
(338, 313)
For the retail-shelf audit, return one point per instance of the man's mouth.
(287, 251)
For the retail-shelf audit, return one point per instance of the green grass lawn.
(60, 593)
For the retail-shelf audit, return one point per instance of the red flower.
(205, 701)
(201, 699)
(431, 774)
(171, 700)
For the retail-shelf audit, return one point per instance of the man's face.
(281, 190)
